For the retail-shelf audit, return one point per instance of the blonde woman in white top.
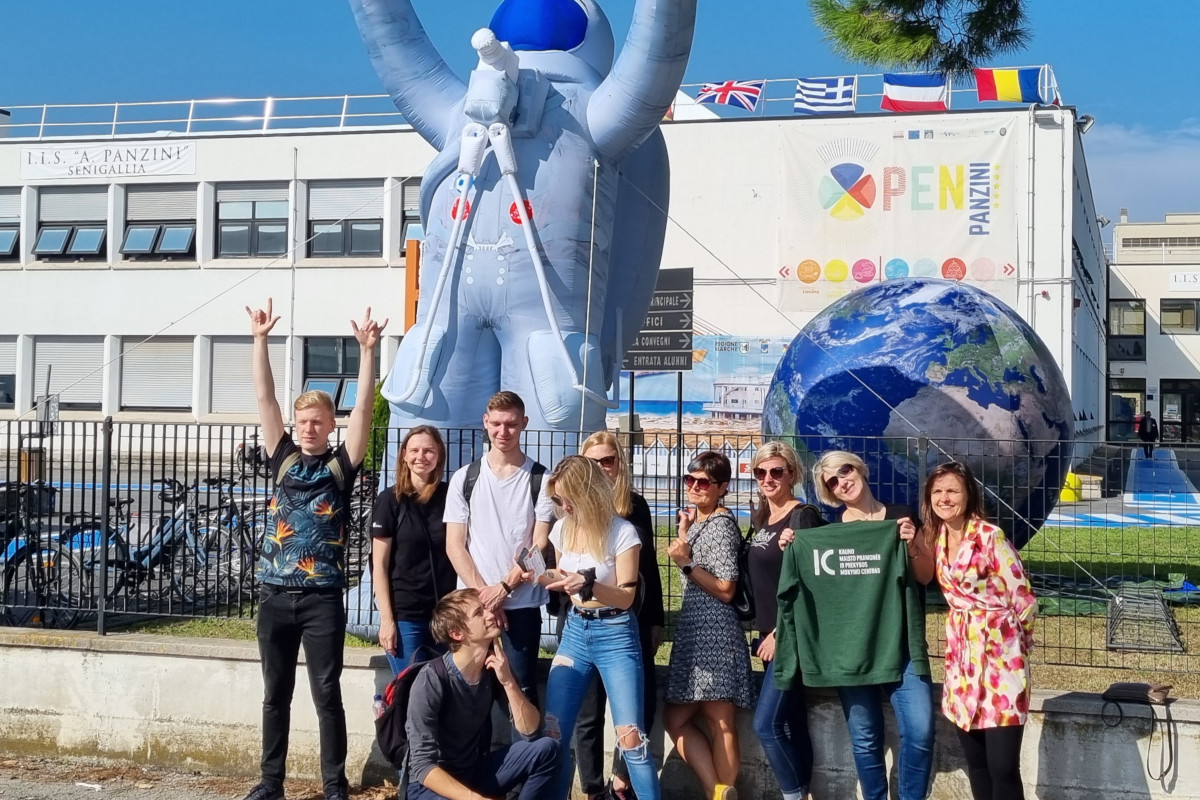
(597, 556)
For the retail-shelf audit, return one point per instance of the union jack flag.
(744, 94)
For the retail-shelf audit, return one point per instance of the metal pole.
(630, 425)
(105, 495)
(679, 441)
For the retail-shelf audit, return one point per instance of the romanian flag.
(1013, 85)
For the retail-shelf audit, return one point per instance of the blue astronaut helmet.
(539, 29)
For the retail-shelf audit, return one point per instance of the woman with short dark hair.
(709, 675)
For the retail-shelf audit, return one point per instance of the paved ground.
(45, 779)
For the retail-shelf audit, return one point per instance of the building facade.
(1154, 336)
(127, 260)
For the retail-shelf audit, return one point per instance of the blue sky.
(1134, 70)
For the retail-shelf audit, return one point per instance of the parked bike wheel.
(218, 570)
(44, 586)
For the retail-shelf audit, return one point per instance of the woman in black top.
(410, 570)
(780, 718)
(605, 450)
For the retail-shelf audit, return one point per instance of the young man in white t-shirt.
(484, 539)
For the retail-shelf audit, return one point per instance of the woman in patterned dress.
(989, 631)
(709, 676)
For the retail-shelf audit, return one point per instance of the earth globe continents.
(911, 372)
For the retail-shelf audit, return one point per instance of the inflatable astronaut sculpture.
(544, 210)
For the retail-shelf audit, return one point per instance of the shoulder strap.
(536, 474)
(289, 461)
(469, 481)
(293, 458)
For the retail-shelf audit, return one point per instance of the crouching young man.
(448, 717)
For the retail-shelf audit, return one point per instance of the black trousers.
(316, 619)
(994, 762)
(589, 726)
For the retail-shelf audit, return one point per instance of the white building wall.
(727, 209)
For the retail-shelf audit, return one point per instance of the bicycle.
(36, 590)
(191, 547)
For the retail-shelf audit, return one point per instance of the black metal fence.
(104, 523)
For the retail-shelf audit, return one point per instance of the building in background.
(1154, 336)
(128, 254)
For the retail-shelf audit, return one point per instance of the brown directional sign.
(665, 340)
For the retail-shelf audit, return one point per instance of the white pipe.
(498, 135)
(471, 154)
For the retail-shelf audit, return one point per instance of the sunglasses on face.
(558, 501)
(844, 471)
(606, 462)
(775, 472)
(699, 484)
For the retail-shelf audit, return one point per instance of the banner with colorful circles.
(870, 200)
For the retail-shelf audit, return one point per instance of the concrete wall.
(194, 704)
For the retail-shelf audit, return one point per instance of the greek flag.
(824, 95)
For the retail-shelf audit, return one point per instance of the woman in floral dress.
(989, 631)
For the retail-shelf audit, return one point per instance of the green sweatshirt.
(849, 611)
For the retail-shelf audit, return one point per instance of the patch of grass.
(217, 628)
(1145, 552)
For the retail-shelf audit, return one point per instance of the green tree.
(381, 417)
(950, 36)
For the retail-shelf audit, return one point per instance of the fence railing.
(107, 523)
(250, 115)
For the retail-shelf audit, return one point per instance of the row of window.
(345, 221)
(330, 365)
(1127, 325)
(1161, 241)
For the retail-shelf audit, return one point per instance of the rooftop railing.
(266, 115)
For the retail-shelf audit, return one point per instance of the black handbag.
(743, 592)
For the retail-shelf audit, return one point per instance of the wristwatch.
(688, 567)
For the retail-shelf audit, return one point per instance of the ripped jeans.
(611, 647)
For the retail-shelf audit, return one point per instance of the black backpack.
(390, 728)
(536, 474)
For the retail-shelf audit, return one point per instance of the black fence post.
(105, 531)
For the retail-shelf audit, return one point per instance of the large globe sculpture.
(913, 372)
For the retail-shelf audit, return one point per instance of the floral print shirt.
(989, 630)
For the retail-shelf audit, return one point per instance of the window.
(71, 223)
(1177, 316)
(1127, 330)
(252, 220)
(10, 223)
(1126, 401)
(332, 239)
(331, 366)
(160, 221)
(163, 239)
(345, 218)
(8, 371)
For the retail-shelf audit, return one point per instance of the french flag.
(926, 91)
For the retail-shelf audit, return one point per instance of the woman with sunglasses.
(780, 718)
(597, 556)
(604, 449)
(989, 630)
(410, 570)
(709, 675)
(841, 480)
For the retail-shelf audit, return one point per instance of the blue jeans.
(912, 701)
(532, 763)
(412, 636)
(781, 724)
(609, 646)
(522, 643)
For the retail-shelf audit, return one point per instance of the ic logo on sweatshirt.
(849, 562)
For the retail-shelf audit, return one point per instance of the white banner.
(865, 203)
(111, 160)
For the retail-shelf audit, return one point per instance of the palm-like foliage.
(951, 36)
